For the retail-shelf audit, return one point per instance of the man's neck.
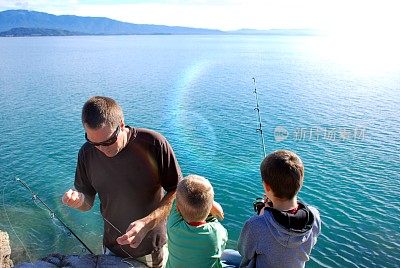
(127, 135)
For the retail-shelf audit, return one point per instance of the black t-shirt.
(130, 186)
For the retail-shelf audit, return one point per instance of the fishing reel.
(260, 203)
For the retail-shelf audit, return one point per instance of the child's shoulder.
(317, 216)
(257, 221)
(313, 209)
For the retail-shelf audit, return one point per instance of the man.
(128, 168)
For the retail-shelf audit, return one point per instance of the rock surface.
(56, 260)
(5, 251)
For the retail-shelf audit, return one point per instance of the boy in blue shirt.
(286, 230)
(194, 238)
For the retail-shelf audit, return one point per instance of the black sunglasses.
(108, 142)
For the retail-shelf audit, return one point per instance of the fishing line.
(35, 197)
(53, 219)
(113, 226)
(53, 216)
(12, 227)
(259, 129)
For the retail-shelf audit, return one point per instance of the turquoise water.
(340, 115)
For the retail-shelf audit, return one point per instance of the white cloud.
(60, 6)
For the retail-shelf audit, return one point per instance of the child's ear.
(266, 186)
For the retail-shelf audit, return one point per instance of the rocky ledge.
(5, 251)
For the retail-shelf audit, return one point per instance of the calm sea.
(336, 106)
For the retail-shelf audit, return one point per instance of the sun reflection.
(364, 53)
(362, 36)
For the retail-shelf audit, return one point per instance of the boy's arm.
(138, 229)
(247, 244)
(217, 211)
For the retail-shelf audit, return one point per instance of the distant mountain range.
(33, 23)
(38, 32)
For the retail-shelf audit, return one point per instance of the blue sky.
(331, 15)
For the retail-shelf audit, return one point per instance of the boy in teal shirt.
(195, 239)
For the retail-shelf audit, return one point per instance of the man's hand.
(137, 230)
(135, 233)
(73, 199)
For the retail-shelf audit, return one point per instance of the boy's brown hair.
(283, 171)
(194, 198)
(100, 111)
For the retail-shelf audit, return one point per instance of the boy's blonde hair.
(194, 198)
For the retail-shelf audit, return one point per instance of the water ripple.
(211, 123)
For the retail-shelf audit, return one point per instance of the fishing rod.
(259, 203)
(259, 129)
(53, 215)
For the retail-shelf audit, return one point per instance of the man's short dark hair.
(283, 171)
(100, 111)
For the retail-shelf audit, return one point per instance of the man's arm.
(78, 200)
(138, 229)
